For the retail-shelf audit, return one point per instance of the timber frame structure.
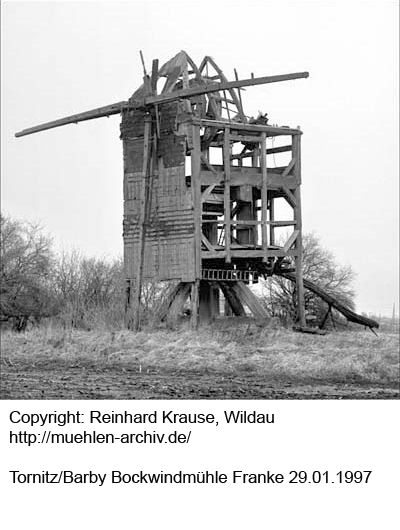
(200, 193)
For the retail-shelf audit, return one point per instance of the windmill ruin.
(200, 193)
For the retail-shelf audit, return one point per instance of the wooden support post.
(246, 296)
(264, 195)
(232, 299)
(245, 209)
(325, 317)
(228, 312)
(214, 300)
(245, 214)
(128, 303)
(194, 321)
(177, 304)
(144, 199)
(153, 89)
(227, 194)
(289, 168)
(239, 93)
(167, 300)
(271, 219)
(296, 152)
(154, 76)
(255, 155)
(196, 196)
(290, 241)
(208, 307)
(333, 321)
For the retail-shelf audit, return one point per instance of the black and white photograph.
(199, 281)
(195, 206)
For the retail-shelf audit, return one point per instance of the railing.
(229, 275)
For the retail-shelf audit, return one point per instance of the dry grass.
(340, 357)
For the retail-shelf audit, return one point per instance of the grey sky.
(60, 58)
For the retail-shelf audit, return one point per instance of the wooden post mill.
(199, 195)
(201, 188)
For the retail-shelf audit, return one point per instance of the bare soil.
(51, 381)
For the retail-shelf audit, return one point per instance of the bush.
(320, 267)
(25, 273)
(81, 292)
(90, 291)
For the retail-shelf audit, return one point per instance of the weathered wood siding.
(169, 242)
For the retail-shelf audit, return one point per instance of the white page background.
(323, 436)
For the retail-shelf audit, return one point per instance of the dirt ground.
(50, 381)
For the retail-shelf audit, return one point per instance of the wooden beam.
(241, 176)
(142, 221)
(247, 297)
(143, 63)
(208, 165)
(283, 149)
(108, 110)
(177, 304)
(227, 194)
(248, 253)
(206, 242)
(282, 223)
(269, 129)
(291, 240)
(169, 84)
(154, 76)
(301, 315)
(232, 298)
(120, 106)
(289, 167)
(291, 199)
(167, 300)
(332, 301)
(248, 222)
(245, 222)
(153, 88)
(322, 324)
(264, 194)
(116, 108)
(272, 219)
(208, 301)
(223, 79)
(239, 93)
(194, 320)
(206, 193)
(196, 196)
(270, 151)
(216, 87)
(247, 139)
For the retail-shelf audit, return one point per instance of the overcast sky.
(60, 58)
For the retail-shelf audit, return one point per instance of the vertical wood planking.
(264, 194)
(197, 205)
(296, 152)
(227, 194)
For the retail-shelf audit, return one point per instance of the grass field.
(220, 361)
